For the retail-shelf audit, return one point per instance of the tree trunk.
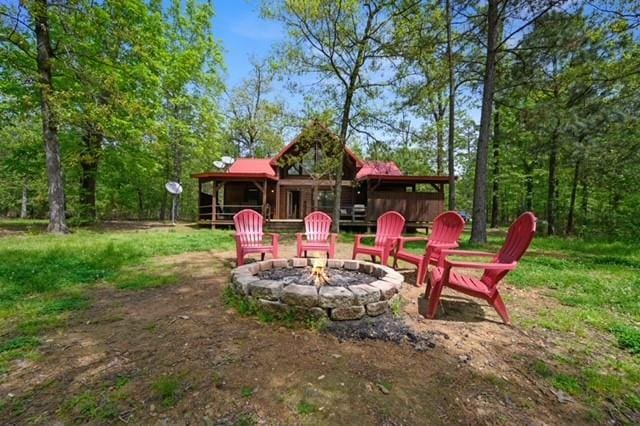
(57, 221)
(585, 199)
(452, 110)
(350, 89)
(528, 186)
(479, 223)
(141, 204)
(89, 159)
(344, 127)
(438, 117)
(24, 204)
(572, 202)
(495, 194)
(553, 184)
(440, 149)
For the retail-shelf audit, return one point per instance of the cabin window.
(293, 171)
(326, 200)
(252, 196)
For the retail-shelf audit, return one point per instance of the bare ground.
(104, 367)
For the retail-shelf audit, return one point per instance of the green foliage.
(628, 337)
(541, 368)
(246, 392)
(136, 102)
(89, 406)
(305, 408)
(20, 342)
(397, 306)
(566, 383)
(169, 389)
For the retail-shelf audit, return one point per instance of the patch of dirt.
(385, 328)
(229, 369)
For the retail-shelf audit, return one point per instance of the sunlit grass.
(43, 278)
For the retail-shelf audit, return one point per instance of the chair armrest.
(466, 253)
(479, 265)
(333, 236)
(448, 252)
(442, 246)
(359, 237)
(365, 235)
(409, 239)
(401, 240)
(274, 237)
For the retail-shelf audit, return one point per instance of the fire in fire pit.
(318, 273)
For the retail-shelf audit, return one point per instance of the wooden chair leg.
(500, 307)
(419, 275)
(434, 299)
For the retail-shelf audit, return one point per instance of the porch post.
(264, 196)
(199, 199)
(214, 199)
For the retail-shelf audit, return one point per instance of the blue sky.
(243, 33)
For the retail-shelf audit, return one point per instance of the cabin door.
(293, 205)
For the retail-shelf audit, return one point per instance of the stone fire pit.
(353, 289)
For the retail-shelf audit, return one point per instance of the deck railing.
(227, 211)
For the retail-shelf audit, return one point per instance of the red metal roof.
(379, 168)
(283, 151)
(252, 165)
(235, 177)
(406, 179)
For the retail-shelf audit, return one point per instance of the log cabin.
(284, 192)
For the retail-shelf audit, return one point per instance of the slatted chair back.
(446, 228)
(389, 225)
(248, 224)
(518, 239)
(317, 226)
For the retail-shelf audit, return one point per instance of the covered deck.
(284, 202)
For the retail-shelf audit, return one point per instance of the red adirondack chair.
(518, 240)
(388, 229)
(317, 236)
(445, 233)
(249, 236)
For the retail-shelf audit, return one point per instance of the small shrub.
(168, 389)
(305, 408)
(20, 342)
(569, 384)
(397, 306)
(88, 406)
(246, 392)
(241, 304)
(541, 368)
(628, 337)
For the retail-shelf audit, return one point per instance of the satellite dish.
(227, 160)
(219, 164)
(174, 188)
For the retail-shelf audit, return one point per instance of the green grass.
(246, 392)
(44, 278)
(305, 408)
(597, 285)
(89, 406)
(169, 389)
